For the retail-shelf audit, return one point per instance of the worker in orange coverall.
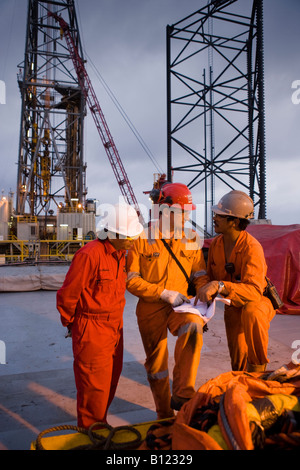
(237, 270)
(91, 303)
(155, 277)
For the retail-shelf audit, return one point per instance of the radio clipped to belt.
(270, 290)
(272, 294)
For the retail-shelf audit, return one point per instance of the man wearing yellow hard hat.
(237, 270)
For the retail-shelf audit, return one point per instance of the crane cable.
(124, 115)
(119, 107)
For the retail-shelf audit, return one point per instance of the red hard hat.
(174, 193)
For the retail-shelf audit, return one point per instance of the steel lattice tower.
(50, 164)
(215, 101)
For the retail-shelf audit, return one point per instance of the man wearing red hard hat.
(156, 279)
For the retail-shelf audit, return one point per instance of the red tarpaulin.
(281, 245)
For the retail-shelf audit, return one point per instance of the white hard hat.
(235, 204)
(122, 219)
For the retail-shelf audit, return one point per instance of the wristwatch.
(221, 286)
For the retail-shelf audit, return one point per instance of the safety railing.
(14, 251)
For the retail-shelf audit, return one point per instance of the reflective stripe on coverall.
(247, 319)
(151, 269)
(92, 300)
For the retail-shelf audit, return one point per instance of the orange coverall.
(151, 269)
(247, 319)
(92, 301)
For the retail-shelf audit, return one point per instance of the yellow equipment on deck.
(119, 438)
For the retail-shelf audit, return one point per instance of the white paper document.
(201, 308)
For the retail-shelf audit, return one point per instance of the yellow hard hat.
(235, 204)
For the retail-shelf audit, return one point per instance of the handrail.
(22, 250)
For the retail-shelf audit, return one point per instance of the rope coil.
(98, 442)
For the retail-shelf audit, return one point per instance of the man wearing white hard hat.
(237, 270)
(91, 303)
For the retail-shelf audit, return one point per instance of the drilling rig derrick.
(56, 91)
(51, 170)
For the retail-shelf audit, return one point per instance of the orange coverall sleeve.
(75, 281)
(200, 275)
(151, 270)
(136, 284)
(250, 270)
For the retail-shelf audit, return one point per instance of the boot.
(256, 367)
(177, 403)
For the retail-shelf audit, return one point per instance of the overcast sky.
(125, 40)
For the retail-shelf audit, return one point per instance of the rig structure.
(215, 102)
(56, 91)
(215, 119)
(51, 168)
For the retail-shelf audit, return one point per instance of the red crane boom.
(98, 116)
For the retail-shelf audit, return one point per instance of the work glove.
(173, 297)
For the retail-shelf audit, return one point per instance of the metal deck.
(37, 389)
